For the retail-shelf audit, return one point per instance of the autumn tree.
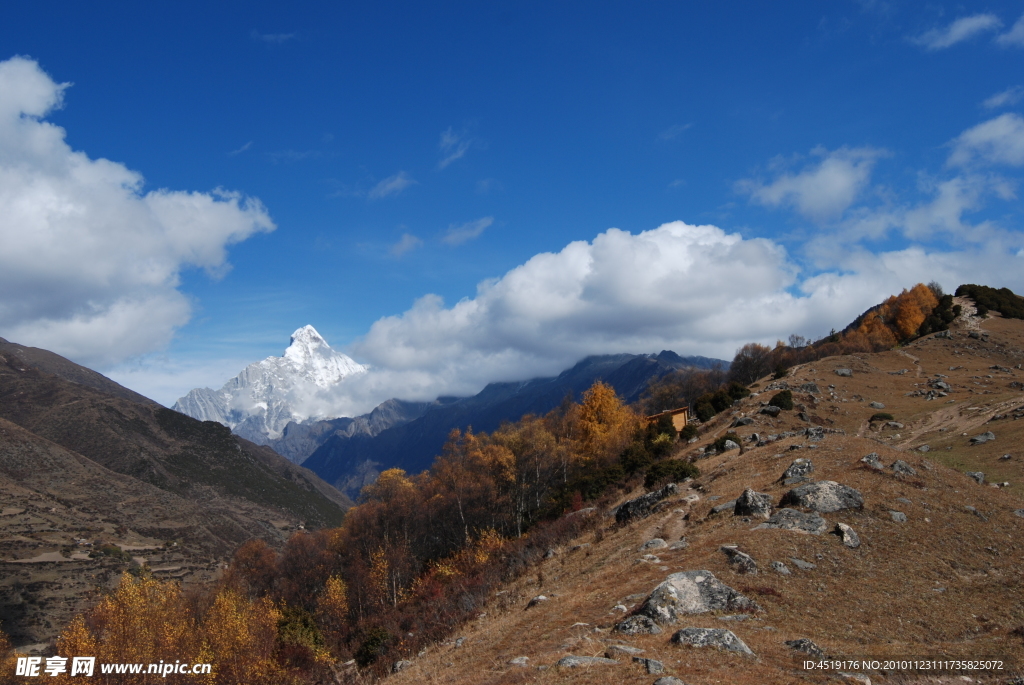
(752, 361)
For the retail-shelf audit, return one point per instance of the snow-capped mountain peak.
(260, 401)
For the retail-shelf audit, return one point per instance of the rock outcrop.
(719, 638)
(824, 496)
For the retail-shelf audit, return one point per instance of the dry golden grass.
(947, 581)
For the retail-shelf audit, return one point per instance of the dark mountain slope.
(349, 462)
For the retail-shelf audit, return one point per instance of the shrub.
(781, 371)
(689, 432)
(881, 416)
(737, 391)
(635, 458)
(719, 444)
(782, 400)
(669, 471)
(703, 410)
(373, 647)
(1003, 300)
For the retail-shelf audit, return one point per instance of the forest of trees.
(420, 554)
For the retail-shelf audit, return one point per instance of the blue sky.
(381, 161)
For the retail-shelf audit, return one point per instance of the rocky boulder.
(978, 476)
(902, 468)
(771, 411)
(741, 562)
(572, 661)
(824, 496)
(638, 625)
(798, 521)
(848, 535)
(753, 504)
(846, 373)
(800, 468)
(644, 505)
(987, 436)
(873, 461)
(806, 646)
(719, 638)
(691, 592)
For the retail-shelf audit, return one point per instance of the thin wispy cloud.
(293, 155)
(392, 185)
(960, 30)
(459, 234)
(1014, 37)
(1010, 96)
(453, 146)
(408, 243)
(488, 185)
(241, 149)
(996, 141)
(672, 132)
(677, 183)
(273, 38)
(821, 191)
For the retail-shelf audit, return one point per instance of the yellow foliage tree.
(604, 424)
(239, 637)
(332, 611)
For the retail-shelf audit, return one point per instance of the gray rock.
(724, 506)
(753, 504)
(743, 421)
(643, 506)
(894, 424)
(902, 468)
(877, 405)
(873, 461)
(536, 600)
(668, 680)
(1019, 513)
(983, 438)
(771, 411)
(799, 468)
(796, 481)
(522, 661)
(400, 665)
(740, 561)
(803, 565)
(720, 638)
(571, 661)
(847, 373)
(824, 496)
(622, 650)
(653, 543)
(944, 334)
(977, 476)
(803, 416)
(551, 553)
(811, 388)
(638, 625)
(815, 433)
(848, 535)
(780, 568)
(942, 385)
(730, 445)
(806, 646)
(679, 544)
(798, 521)
(922, 448)
(652, 666)
(692, 592)
(898, 516)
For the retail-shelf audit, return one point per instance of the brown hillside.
(946, 581)
(78, 463)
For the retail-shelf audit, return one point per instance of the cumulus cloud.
(90, 264)
(960, 30)
(1010, 96)
(458, 234)
(692, 289)
(1014, 37)
(408, 243)
(820, 191)
(996, 141)
(392, 185)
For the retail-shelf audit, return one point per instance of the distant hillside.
(83, 460)
(352, 461)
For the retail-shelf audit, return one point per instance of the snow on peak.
(266, 395)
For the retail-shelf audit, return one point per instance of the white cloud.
(456, 235)
(960, 30)
(453, 146)
(274, 38)
(90, 264)
(408, 243)
(822, 191)
(996, 141)
(673, 132)
(240, 150)
(1010, 96)
(1015, 36)
(392, 185)
(692, 289)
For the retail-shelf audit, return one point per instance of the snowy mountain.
(259, 402)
